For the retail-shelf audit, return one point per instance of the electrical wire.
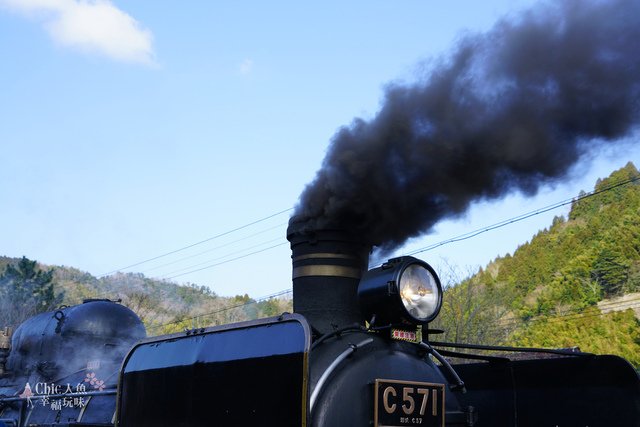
(604, 308)
(227, 261)
(197, 243)
(222, 310)
(458, 238)
(214, 248)
(166, 275)
(518, 218)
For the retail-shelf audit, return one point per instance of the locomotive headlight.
(403, 290)
(419, 291)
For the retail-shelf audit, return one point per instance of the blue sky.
(133, 129)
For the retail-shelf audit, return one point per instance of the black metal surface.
(347, 399)
(596, 391)
(250, 374)
(62, 341)
(70, 358)
(94, 405)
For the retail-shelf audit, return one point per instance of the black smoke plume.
(508, 110)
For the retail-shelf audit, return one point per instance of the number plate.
(408, 403)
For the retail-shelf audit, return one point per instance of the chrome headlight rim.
(422, 295)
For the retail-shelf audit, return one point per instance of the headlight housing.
(403, 290)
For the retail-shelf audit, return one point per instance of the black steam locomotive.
(356, 352)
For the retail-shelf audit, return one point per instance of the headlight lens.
(419, 292)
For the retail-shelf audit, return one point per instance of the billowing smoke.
(508, 110)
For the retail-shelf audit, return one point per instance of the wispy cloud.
(91, 26)
(246, 67)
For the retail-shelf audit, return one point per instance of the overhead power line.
(603, 310)
(226, 261)
(196, 244)
(213, 249)
(222, 310)
(241, 251)
(522, 217)
(458, 238)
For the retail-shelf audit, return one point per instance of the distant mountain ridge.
(163, 306)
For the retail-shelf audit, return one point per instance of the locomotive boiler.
(63, 365)
(357, 351)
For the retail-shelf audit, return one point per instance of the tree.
(25, 290)
(144, 304)
(472, 311)
(611, 269)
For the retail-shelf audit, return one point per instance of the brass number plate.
(408, 403)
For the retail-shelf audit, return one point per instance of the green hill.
(564, 287)
(163, 306)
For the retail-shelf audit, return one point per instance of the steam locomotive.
(357, 351)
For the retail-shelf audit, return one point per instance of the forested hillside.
(564, 288)
(163, 306)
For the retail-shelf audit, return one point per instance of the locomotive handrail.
(563, 352)
(473, 356)
(325, 375)
(338, 332)
(459, 384)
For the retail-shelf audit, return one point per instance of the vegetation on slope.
(25, 290)
(546, 293)
(163, 306)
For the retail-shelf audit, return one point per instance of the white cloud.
(246, 67)
(91, 26)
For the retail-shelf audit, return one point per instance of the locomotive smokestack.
(327, 266)
(508, 110)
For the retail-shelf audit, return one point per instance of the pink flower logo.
(90, 378)
(94, 382)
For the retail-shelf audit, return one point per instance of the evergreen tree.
(611, 270)
(25, 290)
